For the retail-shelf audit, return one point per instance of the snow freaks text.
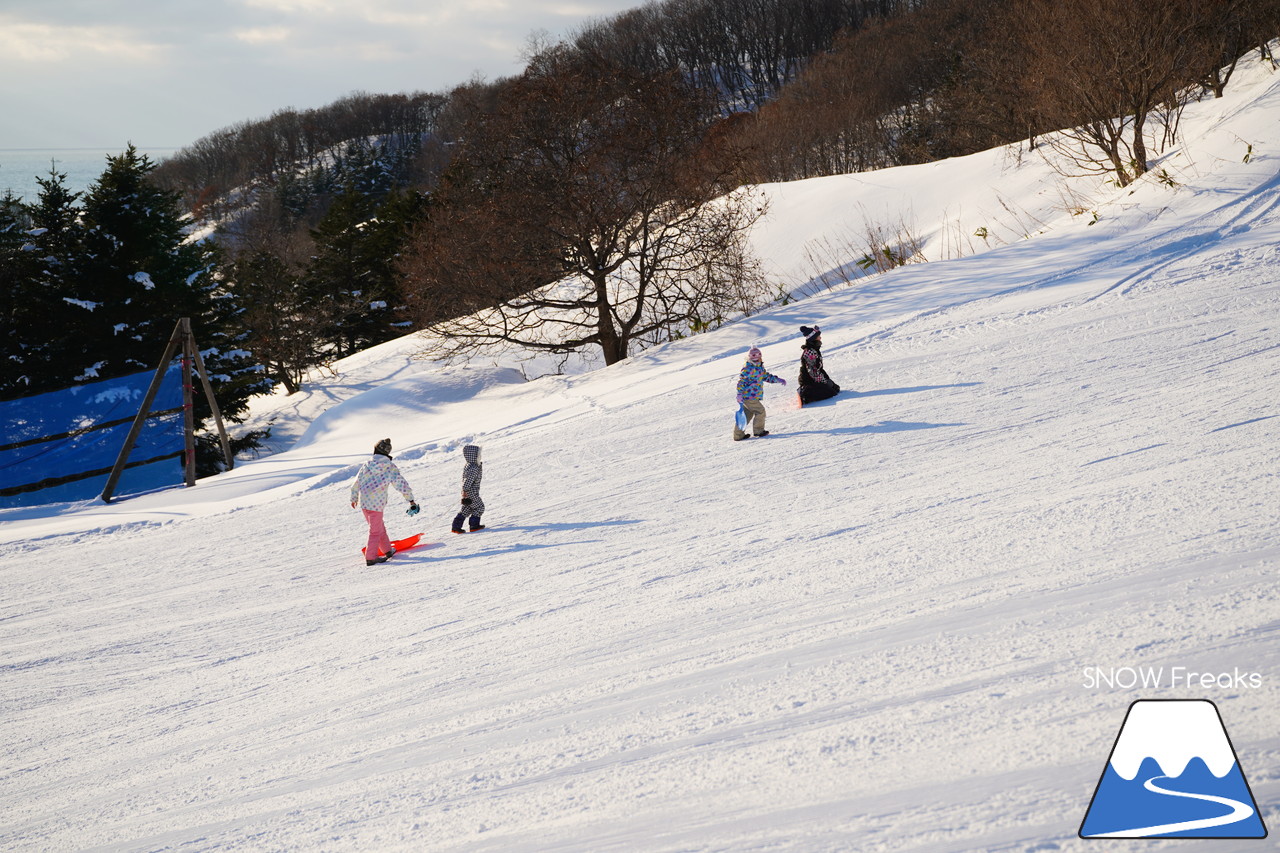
(1173, 677)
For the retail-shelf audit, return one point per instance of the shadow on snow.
(885, 391)
(883, 426)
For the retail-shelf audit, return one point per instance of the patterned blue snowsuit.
(750, 393)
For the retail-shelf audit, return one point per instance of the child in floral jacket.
(751, 393)
(369, 492)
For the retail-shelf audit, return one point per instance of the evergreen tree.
(235, 373)
(337, 277)
(56, 238)
(283, 332)
(19, 309)
(56, 215)
(137, 273)
(42, 326)
(126, 271)
(388, 235)
(353, 278)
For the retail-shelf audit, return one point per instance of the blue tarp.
(60, 446)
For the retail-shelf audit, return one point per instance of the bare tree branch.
(588, 208)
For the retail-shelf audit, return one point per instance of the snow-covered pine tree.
(235, 372)
(132, 274)
(352, 277)
(19, 310)
(55, 244)
(284, 331)
(337, 278)
(387, 236)
(137, 274)
(40, 238)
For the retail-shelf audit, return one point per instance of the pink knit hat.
(755, 355)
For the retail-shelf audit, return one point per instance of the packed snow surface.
(878, 628)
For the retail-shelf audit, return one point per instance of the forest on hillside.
(598, 200)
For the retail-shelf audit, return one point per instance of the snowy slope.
(871, 630)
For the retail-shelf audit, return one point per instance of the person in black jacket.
(814, 383)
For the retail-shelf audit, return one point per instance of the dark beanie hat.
(810, 334)
(383, 447)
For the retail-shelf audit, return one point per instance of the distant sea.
(19, 167)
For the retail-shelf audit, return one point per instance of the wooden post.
(182, 337)
(174, 340)
(213, 404)
(188, 403)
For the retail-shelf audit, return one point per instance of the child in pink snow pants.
(369, 492)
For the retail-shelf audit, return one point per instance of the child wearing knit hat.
(369, 493)
(751, 395)
(815, 384)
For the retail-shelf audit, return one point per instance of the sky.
(164, 73)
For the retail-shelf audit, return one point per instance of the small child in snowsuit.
(472, 505)
(751, 393)
(369, 492)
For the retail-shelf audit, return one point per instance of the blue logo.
(1173, 773)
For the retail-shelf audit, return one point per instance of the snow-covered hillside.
(879, 628)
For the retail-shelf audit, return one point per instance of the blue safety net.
(61, 446)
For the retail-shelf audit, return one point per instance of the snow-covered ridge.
(1173, 733)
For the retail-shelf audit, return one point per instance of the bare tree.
(1230, 32)
(588, 208)
(259, 155)
(1114, 73)
(744, 50)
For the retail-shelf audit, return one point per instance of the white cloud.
(263, 35)
(398, 18)
(81, 73)
(373, 52)
(577, 10)
(43, 43)
(293, 7)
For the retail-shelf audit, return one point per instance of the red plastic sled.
(400, 544)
